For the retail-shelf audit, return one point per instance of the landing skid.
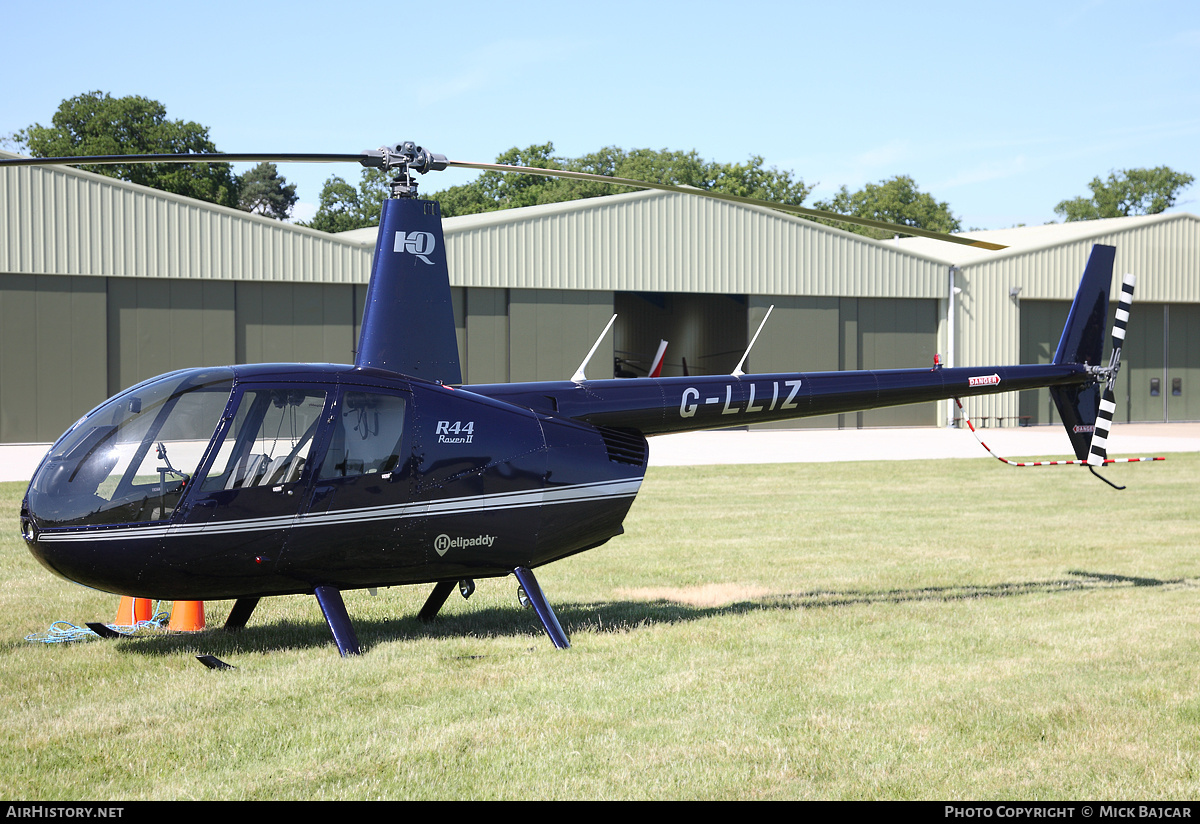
(437, 598)
(214, 663)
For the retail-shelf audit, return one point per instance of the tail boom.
(684, 404)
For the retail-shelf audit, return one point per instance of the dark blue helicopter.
(242, 482)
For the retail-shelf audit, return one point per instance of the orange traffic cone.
(187, 616)
(133, 611)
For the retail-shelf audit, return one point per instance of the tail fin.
(408, 322)
(1083, 342)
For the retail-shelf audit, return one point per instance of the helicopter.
(258, 480)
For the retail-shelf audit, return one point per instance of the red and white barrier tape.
(1040, 463)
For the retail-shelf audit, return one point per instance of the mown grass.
(940, 629)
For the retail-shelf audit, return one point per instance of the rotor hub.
(406, 158)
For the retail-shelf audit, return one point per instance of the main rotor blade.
(213, 157)
(750, 201)
(377, 159)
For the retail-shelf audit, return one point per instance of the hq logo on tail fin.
(417, 244)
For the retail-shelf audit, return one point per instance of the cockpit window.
(131, 459)
(269, 440)
(366, 437)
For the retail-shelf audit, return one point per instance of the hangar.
(1013, 304)
(104, 283)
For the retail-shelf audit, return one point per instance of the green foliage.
(493, 191)
(895, 201)
(1127, 192)
(343, 207)
(266, 192)
(96, 123)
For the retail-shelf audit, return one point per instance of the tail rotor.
(1098, 454)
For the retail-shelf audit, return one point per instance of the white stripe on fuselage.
(579, 493)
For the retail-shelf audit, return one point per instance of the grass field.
(930, 629)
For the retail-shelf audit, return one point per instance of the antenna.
(737, 370)
(579, 377)
(657, 365)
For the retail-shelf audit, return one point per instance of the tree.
(896, 201)
(343, 207)
(492, 191)
(1127, 192)
(266, 192)
(96, 123)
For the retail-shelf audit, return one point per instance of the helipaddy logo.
(444, 543)
(419, 244)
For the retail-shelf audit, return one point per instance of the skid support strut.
(338, 620)
(433, 603)
(544, 613)
(240, 614)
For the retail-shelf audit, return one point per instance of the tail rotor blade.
(1122, 319)
(1098, 452)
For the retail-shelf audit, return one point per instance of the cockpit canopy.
(131, 458)
(134, 458)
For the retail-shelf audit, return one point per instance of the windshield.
(130, 459)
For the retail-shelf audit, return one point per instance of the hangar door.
(890, 334)
(1160, 362)
(803, 334)
(52, 354)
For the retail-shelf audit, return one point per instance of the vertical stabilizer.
(1083, 337)
(1082, 342)
(408, 322)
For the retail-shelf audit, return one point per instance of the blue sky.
(1002, 110)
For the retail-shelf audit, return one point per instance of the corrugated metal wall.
(62, 221)
(665, 242)
(67, 343)
(1160, 362)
